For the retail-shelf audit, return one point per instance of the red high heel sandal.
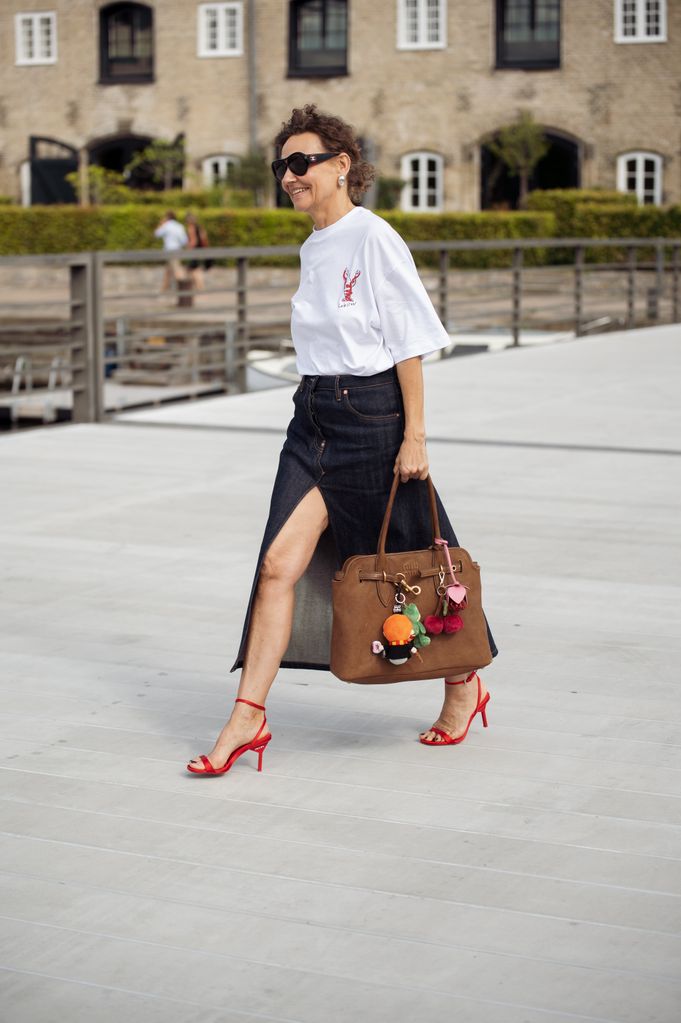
(480, 708)
(257, 744)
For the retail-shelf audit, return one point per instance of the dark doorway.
(50, 161)
(116, 153)
(560, 168)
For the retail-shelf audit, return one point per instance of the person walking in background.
(174, 237)
(198, 239)
(361, 323)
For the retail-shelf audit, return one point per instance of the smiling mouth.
(298, 191)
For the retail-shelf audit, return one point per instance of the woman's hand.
(412, 460)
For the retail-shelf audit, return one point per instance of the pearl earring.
(341, 180)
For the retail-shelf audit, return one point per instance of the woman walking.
(361, 323)
(197, 239)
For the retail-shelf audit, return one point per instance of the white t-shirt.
(361, 306)
(173, 234)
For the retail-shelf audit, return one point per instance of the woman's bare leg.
(459, 703)
(271, 622)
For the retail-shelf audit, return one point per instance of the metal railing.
(105, 338)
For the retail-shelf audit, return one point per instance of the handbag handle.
(380, 554)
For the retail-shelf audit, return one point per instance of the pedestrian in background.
(198, 239)
(174, 238)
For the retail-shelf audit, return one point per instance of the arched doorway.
(115, 153)
(559, 168)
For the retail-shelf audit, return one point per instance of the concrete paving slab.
(531, 874)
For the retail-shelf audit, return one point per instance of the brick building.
(426, 82)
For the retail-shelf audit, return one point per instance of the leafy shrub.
(474, 227)
(563, 202)
(597, 221)
(39, 229)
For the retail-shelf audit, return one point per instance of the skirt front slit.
(343, 438)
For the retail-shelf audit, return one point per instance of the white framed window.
(422, 174)
(641, 174)
(36, 37)
(215, 168)
(421, 24)
(640, 21)
(221, 30)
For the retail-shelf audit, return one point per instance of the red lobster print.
(348, 284)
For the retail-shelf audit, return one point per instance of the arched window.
(215, 168)
(422, 173)
(126, 43)
(641, 174)
(317, 38)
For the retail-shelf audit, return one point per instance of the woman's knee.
(291, 551)
(277, 568)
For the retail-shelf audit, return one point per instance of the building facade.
(427, 84)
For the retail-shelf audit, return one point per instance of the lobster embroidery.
(349, 284)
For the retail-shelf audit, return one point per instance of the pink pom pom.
(433, 624)
(453, 623)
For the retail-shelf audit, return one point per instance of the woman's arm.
(412, 458)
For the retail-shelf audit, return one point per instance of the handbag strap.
(380, 554)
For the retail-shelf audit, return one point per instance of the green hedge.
(77, 229)
(595, 221)
(417, 227)
(34, 230)
(564, 202)
(70, 228)
(183, 199)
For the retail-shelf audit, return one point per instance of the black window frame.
(134, 77)
(525, 63)
(295, 68)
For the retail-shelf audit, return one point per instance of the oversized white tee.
(361, 306)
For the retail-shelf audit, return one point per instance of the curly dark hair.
(337, 137)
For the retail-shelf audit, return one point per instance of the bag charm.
(454, 599)
(402, 630)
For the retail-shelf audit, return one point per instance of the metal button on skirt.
(343, 438)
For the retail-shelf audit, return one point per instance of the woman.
(361, 323)
(197, 239)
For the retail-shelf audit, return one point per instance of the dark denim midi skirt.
(343, 438)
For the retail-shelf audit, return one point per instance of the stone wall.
(607, 97)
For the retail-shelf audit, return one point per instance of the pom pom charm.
(452, 623)
(434, 624)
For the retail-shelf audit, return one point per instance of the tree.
(520, 145)
(252, 173)
(161, 161)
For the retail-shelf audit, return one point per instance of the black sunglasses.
(298, 163)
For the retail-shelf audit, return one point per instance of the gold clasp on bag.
(405, 585)
(441, 588)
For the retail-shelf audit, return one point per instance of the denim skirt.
(343, 438)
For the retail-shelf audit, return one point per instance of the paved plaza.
(530, 875)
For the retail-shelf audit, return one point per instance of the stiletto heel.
(258, 744)
(480, 708)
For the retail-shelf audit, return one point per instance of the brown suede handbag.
(371, 587)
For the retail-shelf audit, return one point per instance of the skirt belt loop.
(337, 383)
